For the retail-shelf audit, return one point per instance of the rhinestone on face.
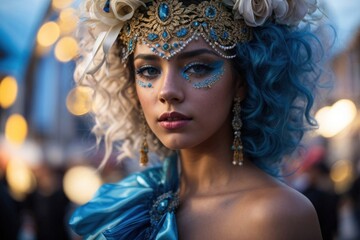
(163, 12)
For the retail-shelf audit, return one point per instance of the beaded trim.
(166, 202)
(168, 26)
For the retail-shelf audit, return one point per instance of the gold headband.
(168, 26)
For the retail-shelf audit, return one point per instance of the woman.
(221, 88)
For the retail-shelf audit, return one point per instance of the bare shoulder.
(277, 211)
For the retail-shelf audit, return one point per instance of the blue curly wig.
(281, 69)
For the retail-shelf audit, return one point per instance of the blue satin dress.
(141, 206)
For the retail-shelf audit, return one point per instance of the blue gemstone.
(166, 46)
(152, 36)
(210, 12)
(204, 24)
(196, 24)
(163, 206)
(175, 45)
(130, 46)
(157, 45)
(182, 32)
(107, 6)
(163, 11)
(213, 34)
(165, 34)
(225, 35)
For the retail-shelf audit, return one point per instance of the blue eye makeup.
(195, 71)
(146, 73)
(199, 74)
(144, 84)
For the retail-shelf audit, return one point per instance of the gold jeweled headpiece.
(168, 26)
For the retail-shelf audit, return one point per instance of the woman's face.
(186, 100)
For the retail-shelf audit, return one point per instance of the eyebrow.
(189, 54)
(181, 55)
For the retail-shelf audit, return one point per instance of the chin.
(176, 145)
(173, 147)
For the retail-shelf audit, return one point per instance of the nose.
(172, 88)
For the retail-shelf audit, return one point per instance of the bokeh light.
(61, 4)
(67, 20)
(16, 129)
(341, 174)
(79, 100)
(8, 92)
(20, 178)
(48, 34)
(334, 119)
(81, 183)
(66, 49)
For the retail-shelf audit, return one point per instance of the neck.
(208, 168)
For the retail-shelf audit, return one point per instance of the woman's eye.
(148, 72)
(197, 69)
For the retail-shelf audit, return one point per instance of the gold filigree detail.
(167, 27)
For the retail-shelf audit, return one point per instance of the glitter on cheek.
(208, 82)
(144, 84)
(185, 75)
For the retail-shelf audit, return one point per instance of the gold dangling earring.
(237, 146)
(144, 146)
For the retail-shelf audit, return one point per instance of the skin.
(218, 200)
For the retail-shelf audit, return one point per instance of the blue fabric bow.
(141, 206)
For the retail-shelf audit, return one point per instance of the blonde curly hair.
(116, 109)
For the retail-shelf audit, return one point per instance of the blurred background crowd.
(48, 157)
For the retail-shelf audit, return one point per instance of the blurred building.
(346, 66)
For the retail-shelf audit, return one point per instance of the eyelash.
(140, 72)
(205, 68)
(143, 73)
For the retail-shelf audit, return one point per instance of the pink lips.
(173, 120)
